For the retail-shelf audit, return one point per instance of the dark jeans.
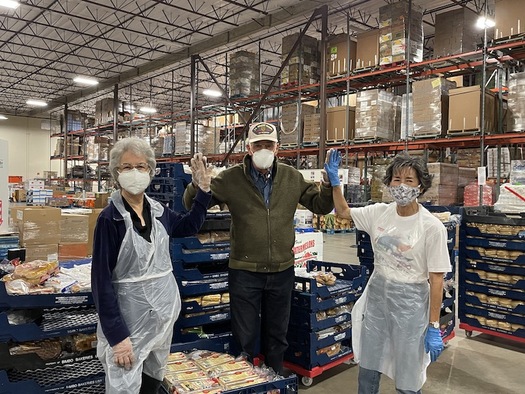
(369, 383)
(260, 305)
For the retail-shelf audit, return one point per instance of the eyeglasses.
(141, 167)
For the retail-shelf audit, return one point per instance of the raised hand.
(201, 172)
(331, 166)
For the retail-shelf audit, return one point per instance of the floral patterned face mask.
(404, 194)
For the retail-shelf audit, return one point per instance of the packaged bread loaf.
(211, 299)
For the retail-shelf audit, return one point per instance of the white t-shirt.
(406, 248)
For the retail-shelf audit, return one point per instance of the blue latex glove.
(433, 343)
(332, 165)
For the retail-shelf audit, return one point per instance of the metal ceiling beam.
(277, 18)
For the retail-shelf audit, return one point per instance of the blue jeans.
(260, 306)
(368, 381)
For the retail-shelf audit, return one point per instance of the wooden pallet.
(427, 134)
(335, 142)
(458, 133)
(288, 146)
(368, 140)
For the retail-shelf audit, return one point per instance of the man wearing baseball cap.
(262, 195)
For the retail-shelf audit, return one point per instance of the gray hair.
(403, 160)
(135, 145)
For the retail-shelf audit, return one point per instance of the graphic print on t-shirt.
(393, 249)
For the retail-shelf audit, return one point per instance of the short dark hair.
(403, 160)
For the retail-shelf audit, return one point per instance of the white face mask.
(134, 181)
(263, 159)
(404, 194)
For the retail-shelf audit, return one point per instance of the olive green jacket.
(262, 239)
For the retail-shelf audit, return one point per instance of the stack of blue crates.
(48, 320)
(492, 274)
(169, 184)
(320, 320)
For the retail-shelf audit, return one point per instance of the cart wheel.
(307, 381)
(445, 344)
(468, 334)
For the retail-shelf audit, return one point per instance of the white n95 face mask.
(263, 159)
(134, 181)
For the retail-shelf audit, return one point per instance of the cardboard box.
(47, 252)
(74, 228)
(20, 195)
(92, 215)
(465, 110)
(37, 225)
(101, 200)
(308, 246)
(456, 32)
(72, 251)
(367, 49)
(338, 47)
(509, 17)
(336, 124)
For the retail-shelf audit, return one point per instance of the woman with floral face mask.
(395, 323)
(133, 286)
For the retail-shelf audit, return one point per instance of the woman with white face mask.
(395, 323)
(133, 286)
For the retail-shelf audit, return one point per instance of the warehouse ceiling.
(144, 47)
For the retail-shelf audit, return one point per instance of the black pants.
(260, 306)
(149, 385)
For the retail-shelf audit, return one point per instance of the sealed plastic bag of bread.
(35, 272)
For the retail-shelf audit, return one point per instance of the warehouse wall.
(29, 147)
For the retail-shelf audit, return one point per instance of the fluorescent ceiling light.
(483, 23)
(3, 117)
(212, 93)
(85, 81)
(9, 4)
(148, 110)
(36, 103)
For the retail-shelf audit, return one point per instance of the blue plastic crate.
(195, 307)
(212, 316)
(301, 318)
(203, 254)
(210, 331)
(496, 244)
(474, 277)
(46, 300)
(475, 323)
(309, 358)
(474, 300)
(491, 289)
(313, 303)
(201, 271)
(349, 279)
(70, 378)
(491, 314)
(56, 323)
(220, 343)
(474, 255)
(309, 341)
(190, 288)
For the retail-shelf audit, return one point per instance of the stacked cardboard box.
(304, 61)
(456, 32)
(73, 243)
(431, 102)
(312, 128)
(367, 49)
(465, 176)
(394, 20)
(207, 139)
(465, 110)
(291, 121)
(97, 148)
(469, 157)
(444, 187)
(39, 231)
(341, 54)
(374, 115)
(244, 74)
(510, 17)
(104, 111)
(336, 129)
(494, 160)
(377, 188)
(516, 102)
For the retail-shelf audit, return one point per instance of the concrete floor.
(482, 364)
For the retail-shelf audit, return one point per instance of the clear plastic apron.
(390, 319)
(149, 301)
